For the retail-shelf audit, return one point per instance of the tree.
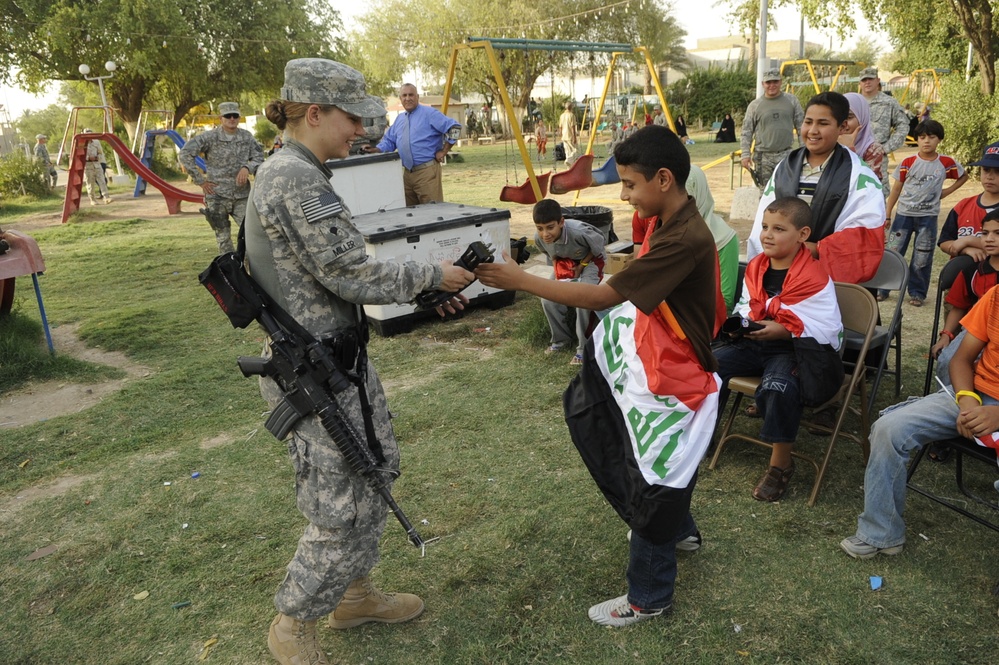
(177, 52)
(708, 94)
(432, 28)
(651, 25)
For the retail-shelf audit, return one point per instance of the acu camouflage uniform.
(767, 157)
(224, 156)
(890, 124)
(42, 155)
(304, 250)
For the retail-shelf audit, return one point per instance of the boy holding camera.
(786, 294)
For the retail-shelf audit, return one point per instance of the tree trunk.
(751, 65)
(976, 18)
(127, 96)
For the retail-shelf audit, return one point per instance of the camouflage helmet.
(320, 81)
(39, 137)
(225, 108)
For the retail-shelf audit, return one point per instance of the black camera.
(737, 326)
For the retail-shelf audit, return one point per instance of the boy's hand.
(577, 270)
(939, 346)
(506, 275)
(978, 421)
(975, 253)
(771, 331)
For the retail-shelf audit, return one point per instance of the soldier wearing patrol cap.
(42, 155)
(304, 251)
(232, 155)
(772, 120)
(889, 121)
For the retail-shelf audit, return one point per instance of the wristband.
(966, 393)
(584, 263)
(948, 333)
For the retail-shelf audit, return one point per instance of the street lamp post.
(107, 125)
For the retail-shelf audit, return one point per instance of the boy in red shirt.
(962, 230)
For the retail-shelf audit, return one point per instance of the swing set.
(825, 71)
(926, 88)
(580, 174)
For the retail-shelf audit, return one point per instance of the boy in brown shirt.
(642, 410)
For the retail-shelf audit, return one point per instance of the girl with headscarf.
(860, 139)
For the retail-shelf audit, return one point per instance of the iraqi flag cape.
(848, 213)
(807, 306)
(641, 413)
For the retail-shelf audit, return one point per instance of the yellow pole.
(655, 81)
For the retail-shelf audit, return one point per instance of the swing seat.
(606, 174)
(525, 193)
(578, 176)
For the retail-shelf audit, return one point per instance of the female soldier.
(304, 251)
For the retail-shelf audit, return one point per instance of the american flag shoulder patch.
(321, 207)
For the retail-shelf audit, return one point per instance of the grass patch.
(526, 545)
(24, 356)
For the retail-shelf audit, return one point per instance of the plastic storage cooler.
(367, 183)
(431, 233)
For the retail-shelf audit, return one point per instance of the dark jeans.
(777, 397)
(652, 568)
(921, 264)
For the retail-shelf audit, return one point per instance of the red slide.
(78, 159)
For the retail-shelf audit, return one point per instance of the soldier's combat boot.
(294, 642)
(362, 603)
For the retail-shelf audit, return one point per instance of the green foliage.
(173, 53)
(264, 132)
(969, 117)
(50, 121)
(708, 94)
(21, 176)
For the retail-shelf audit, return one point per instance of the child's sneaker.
(577, 359)
(618, 612)
(554, 348)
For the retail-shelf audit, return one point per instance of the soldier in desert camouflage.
(304, 251)
(232, 155)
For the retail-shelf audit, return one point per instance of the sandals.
(916, 302)
(773, 484)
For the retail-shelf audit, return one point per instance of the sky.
(697, 23)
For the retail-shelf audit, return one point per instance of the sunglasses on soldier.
(230, 116)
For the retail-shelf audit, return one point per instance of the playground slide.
(74, 187)
(147, 155)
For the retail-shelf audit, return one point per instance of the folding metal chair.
(860, 313)
(948, 274)
(892, 275)
(961, 448)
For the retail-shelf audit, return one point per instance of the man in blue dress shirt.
(422, 136)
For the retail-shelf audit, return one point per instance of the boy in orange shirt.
(907, 427)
